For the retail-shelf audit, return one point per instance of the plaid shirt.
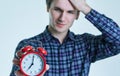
(74, 56)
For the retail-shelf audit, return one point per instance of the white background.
(21, 19)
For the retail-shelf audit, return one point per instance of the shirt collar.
(71, 35)
(48, 36)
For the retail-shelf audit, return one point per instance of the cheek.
(71, 19)
(52, 18)
(54, 15)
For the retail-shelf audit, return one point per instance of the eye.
(71, 12)
(57, 9)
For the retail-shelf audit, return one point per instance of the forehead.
(63, 4)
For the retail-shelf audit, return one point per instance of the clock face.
(32, 64)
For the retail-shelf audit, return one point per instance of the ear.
(78, 13)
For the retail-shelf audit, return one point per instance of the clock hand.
(30, 66)
(32, 59)
(31, 63)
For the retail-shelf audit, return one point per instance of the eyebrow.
(58, 8)
(62, 10)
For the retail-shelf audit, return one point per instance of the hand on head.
(80, 5)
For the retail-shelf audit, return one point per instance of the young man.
(70, 54)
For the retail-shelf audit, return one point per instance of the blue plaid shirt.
(74, 56)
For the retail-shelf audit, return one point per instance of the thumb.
(47, 68)
(19, 73)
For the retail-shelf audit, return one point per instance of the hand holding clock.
(16, 61)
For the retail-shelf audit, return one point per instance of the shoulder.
(26, 41)
(84, 36)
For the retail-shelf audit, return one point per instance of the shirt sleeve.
(107, 44)
(14, 67)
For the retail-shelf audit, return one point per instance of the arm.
(110, 30)
(107, 26)
(15, 66)
(105, 45)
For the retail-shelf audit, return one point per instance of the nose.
(62, 17)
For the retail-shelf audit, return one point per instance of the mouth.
(60, 25)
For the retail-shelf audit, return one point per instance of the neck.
(59, 35)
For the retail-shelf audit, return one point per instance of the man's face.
(62, 15)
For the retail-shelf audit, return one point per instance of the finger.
(19, 73)
(19, 54)
(47, 68)
(16, 61)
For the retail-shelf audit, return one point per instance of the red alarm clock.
(33, 63)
